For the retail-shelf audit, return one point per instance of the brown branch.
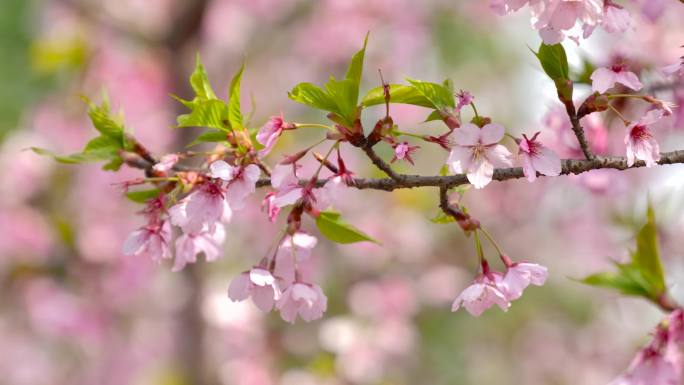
(578, 130)
(382, 165)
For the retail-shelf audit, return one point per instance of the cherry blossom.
(286, 183)
(484, 292)
(538, 158)
(553, 17)
(464, 98)
(615, 17)
(476, 152)
(269, 207)
(293, 255)
(270, 132)
(241, 180)
(403, 151)
(151, 241)
(203, 207)
(674, 69)
(604, 78)
(640, 142)
(303, 299)
(257, 283)
(503, 7)
(519, 275)
(188, 245)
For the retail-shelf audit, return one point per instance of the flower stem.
(409, 134)
(474, 110)
(619, 114)
(491, 240)
(478, 246)
(312, 125)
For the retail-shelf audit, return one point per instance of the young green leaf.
(313, 96)
(355, 70)
(442, 218)
(199, 81)
(399, 93)
(211, 113)
(554, 61)
(437, 94)
(234, 114)
(337, 230)
(209, 136)
(141, 196)
(646, 256)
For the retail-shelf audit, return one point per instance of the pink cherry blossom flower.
(203, 207)
(208, 241)
(303, 299)
(552, 17)
(640, 142)
(293, 252)
(241, 180)
(464, 99)
(538, 158)
(519, 275)
(675, 69)
(476, 152)
(604, 78)
(166, 163)
(151, 241)
(257, 283)
(403, 151)
(270, 132)
(615, 17)
(484, 292)
(503, 7)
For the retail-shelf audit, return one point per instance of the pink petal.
(528, 169)
(602, 79)
(466, 135)
(547, 162)
(499, 156)
(263, 298)
(480, 172)
(287, 197)
(135, 242)
(491, 133)
(221, 169)
(261, 277)
(629, 79)
(239, 288)
(459, 159)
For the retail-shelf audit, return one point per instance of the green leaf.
(399, 93)
(345, 94)
(647, 257)
(442, 218)
(554, 61)
(434, 115)
(105, 124)
(207, 113)
(199, 81)
(312, 96)
(234, 113)
(355, 70)
(141, 196)
(209, 136)
(437, 94)
(337, 230)
(70, 159)
(616, 281)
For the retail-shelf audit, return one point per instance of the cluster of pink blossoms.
(661, 361)
(476, 152)
(555, 18)
(492, 287)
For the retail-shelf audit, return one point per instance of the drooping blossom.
(257, 283)
(615, 17)
(403, 151)
(484, 292)
(519, 275)
(241, 180)
(203, 207)
(604, 78)
(151, 241)
(270, 132)
(538, 158)
(661, 361)
(303, 299)
(286, 183)
(640, 142)
(166, 163)
(552, 18)
(293, 255)
(189, 245)
(464, 98)
(476, 152)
